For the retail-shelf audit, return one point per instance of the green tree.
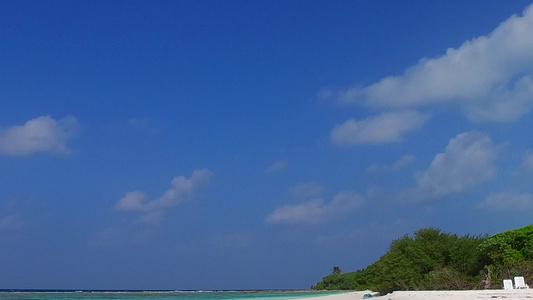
(509, 247)
(430, 259)
(336, 270)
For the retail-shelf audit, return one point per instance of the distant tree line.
(433, 260)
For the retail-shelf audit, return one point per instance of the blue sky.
(254, 144)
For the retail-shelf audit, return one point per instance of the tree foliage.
(430, 259)
(509, 247)
(336, 270)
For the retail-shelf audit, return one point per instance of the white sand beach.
(445, 295)
(438, 295)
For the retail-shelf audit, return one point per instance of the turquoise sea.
(156, 295)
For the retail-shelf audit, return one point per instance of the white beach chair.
(507, 284)
(519, 283)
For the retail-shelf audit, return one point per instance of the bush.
(432, 259)
(424, 261)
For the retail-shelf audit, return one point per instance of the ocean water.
(155, 295)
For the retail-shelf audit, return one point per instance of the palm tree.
(336, 270)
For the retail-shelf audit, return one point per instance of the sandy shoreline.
(438, 295)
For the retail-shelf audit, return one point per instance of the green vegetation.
(336, 270)
(431, 260)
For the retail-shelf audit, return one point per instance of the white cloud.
(316, 211)
(508, 201)
(143, 124)
(42, 134)
(527, 165)
(397, 165)
(402, 162)
(344, 96)
(307, 190)
(134, 201)
(468, 161)
(10, 223)
(277, 166)
(490, 77)
(181, 189)
(139, 123)
(389, 127)
(325, 93)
